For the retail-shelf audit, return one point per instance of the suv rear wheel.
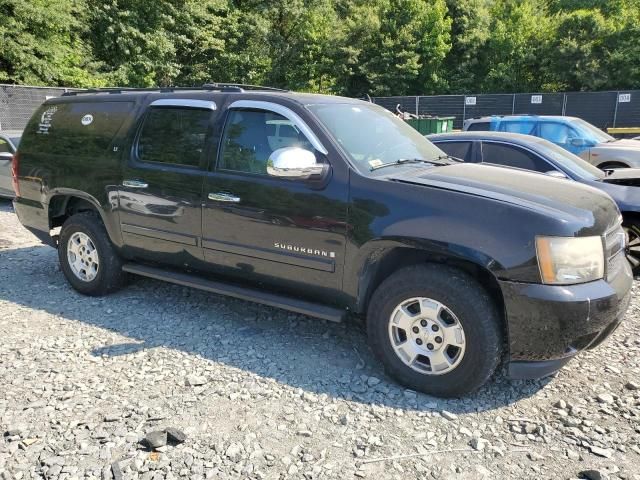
(87, 257)
(435, 329)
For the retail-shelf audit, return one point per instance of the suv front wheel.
(87, 257)
(435, 329)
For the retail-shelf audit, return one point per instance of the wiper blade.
(408, 160)
(449, 157)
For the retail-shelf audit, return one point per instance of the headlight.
(568, 260)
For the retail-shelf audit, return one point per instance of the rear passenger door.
(160, 195)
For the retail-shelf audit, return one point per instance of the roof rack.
(217, 87)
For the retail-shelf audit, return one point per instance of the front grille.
(614, 250)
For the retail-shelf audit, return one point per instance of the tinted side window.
(249, 139)
(461, 150)
(479, 127)
(556, 132)
(526, 128)
(173, 135)
(82, 129)
(513, 157)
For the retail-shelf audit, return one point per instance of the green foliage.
(349, 47)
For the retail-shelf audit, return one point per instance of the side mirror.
(294, 163)
(6, 156)
(578, 142)
(556, 174)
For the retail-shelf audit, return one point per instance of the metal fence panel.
(443, 106)
(597, 108)
(493, 104)
(17, 104)
(628, 111)
(538, 103)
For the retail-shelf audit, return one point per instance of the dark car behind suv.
(327, 206)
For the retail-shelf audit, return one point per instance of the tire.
(462, 303)
(632, 229)
(101, 277)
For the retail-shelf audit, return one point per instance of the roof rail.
(244, 86)
(218, 87)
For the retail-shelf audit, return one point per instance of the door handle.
(135, 184)
(224, 197)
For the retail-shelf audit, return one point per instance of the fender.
(377, 258)
(108, 210)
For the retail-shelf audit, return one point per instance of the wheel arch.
(382, 262)
(613, 164)
(63, 204)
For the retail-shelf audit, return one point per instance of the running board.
(273, 300)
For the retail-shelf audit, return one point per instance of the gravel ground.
(262, 393)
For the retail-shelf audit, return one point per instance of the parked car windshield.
(372, 136)
(592, 132)
(569, 161)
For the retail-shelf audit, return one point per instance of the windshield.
(373, 136)
(569, 161)
(592, 132)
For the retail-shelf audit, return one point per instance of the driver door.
(260, 228)
(562, 135)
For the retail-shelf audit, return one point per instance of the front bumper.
(548, 324)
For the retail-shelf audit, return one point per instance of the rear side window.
(479, 127)
(173, 135)
(82, 129)
(4, 146)
(526, 128)
(510, 156)
(461, 150)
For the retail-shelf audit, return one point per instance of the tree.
(395, 47)
(470, 31)
(41, 44)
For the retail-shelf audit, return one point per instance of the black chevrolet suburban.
(327, 206)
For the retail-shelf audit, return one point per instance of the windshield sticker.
(45, 120)
(375, 163)
(87, 120)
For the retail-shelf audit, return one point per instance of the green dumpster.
(428, 125)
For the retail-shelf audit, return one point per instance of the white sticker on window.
(87, 120)
(45, 120)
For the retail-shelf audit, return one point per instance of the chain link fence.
(603, 109)
(17, 103)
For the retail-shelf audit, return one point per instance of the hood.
(624, 143)
(560, 198)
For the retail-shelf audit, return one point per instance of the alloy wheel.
(83, 257)
(633, 246)
(427, 336)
